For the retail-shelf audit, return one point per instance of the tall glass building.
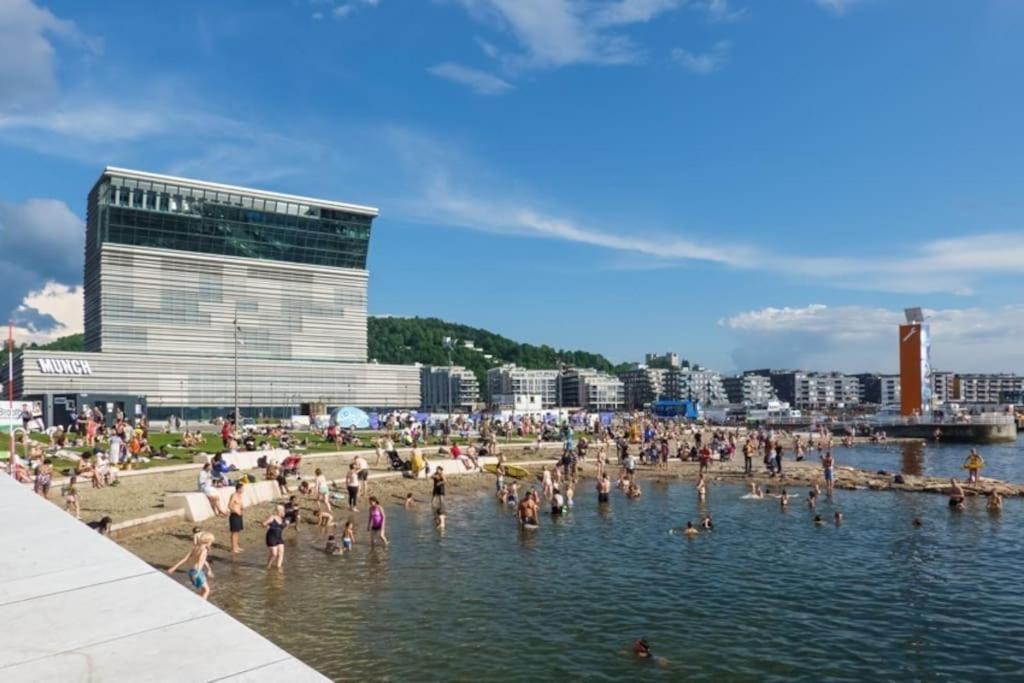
(172, 263)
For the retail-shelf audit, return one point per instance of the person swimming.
(838, 517)
(916, 522)
(995, 501)
(690, 530)
(818, 520)
(707, 523)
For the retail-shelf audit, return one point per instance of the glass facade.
(146, 213)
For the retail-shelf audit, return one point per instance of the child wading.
(198, 559)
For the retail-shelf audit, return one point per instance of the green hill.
(404, 341)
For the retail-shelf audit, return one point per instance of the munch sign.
(63, 366)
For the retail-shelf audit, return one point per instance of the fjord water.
(1002, 461)
(767, 595)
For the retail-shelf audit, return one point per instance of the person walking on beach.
(235, 521)
(199, 558)
(828, 466)
(274, 524)
(376, 523)
(748, 457)
(363, 469)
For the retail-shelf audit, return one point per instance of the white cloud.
(719, 11)
(859, 338)
(703, 63)
(556, 33)
(28, 68)
(42, 235)
(58, 304)
(347, 9)
(838, 7)
(480, 81)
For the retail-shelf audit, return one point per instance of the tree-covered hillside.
(420, 340)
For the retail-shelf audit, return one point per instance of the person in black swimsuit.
(275, 541)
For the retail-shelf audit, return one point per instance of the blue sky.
(746, 183)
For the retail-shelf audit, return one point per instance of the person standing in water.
(702, 489)
(376, 523)
(973, 465)
(199, 558)
(828, 466)
(235, 520)
(437, 494)
(604, 487)
(274, 524)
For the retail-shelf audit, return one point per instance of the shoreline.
(151, 542)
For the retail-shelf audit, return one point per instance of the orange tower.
(915, 365)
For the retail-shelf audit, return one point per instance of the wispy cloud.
(838, 7)
(719, 11)
(28, 75)
(480, 81)
(859, 338)
(556, 33)
(703, 63)
(347, 9)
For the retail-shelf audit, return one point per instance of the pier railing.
(945, 420)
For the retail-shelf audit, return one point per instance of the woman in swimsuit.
(377, 522)
(44, 477)
(275, 541)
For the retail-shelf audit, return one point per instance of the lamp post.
(448, 343)
(234, 324)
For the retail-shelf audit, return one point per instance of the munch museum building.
(171, 263)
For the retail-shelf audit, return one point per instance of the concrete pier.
(75, 606)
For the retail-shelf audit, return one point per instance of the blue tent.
(674, 408)
(348, 417)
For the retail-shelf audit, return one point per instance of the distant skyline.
(746, 184)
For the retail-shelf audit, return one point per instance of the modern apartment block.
(444, 388)
(814, 390)
(749, 389)
(511, 381)
(591, 389)
(642, 385)
(986, 388)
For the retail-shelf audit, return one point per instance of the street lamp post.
(448, 344)
(238, 420)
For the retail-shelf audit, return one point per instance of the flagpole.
(10, 395)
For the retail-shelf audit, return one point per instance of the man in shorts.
(235, 521)
(363, 470)
(828, 465)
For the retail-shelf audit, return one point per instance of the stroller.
(396, 463)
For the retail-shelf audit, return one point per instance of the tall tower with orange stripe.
(915, 364)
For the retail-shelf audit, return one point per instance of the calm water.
(1002, 461)
(766, 596)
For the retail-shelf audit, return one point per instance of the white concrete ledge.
(245, 460)
(78, 607)
(197, 506)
